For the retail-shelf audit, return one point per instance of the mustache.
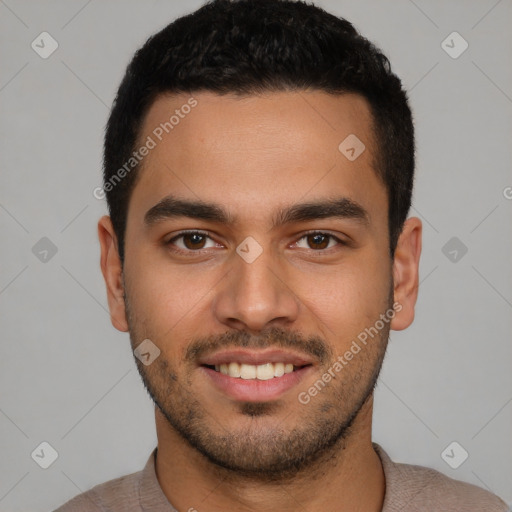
(313, 346)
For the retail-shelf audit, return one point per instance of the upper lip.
(244, 356)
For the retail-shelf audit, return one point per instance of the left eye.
(319, 241)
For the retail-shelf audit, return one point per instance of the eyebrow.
(171, 207)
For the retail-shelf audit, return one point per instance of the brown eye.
(318, 241)
(190, 241)
(194, 241)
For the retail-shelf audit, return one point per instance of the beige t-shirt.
(408, 489)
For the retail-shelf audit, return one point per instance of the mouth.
(265, 371)
(255, 376)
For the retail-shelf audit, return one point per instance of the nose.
(257, 294)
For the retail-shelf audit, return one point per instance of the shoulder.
(424, 489)
(117, 494)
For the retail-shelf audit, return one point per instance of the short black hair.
(248, 47)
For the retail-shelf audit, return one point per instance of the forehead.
(251, 151)
(308, 117)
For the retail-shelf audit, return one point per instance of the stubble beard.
(264, 448)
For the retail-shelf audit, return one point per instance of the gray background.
(67, 376)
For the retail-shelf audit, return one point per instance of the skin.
(254, 155)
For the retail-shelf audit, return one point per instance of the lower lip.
(254, 390)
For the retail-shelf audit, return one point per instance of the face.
(256, 255)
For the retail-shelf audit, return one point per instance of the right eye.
(191, 241)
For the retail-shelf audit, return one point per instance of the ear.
(112, 271)
(406, 273)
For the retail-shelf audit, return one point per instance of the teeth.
(278, 369)
(265, 371)
(234, 370)
(247, 371)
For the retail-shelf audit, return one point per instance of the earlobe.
(112, 271)
(406, 273)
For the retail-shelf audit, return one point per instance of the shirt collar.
(153, 499)
(151, 496)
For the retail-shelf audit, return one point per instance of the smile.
(265, 371)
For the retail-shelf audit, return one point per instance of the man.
(259, 163)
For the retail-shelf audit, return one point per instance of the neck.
(349, 478)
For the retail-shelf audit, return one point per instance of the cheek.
(166, 298)
(150, 296)
(348, 298)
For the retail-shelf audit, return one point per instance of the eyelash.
(170, 242)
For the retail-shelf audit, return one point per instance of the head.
(278, 134)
